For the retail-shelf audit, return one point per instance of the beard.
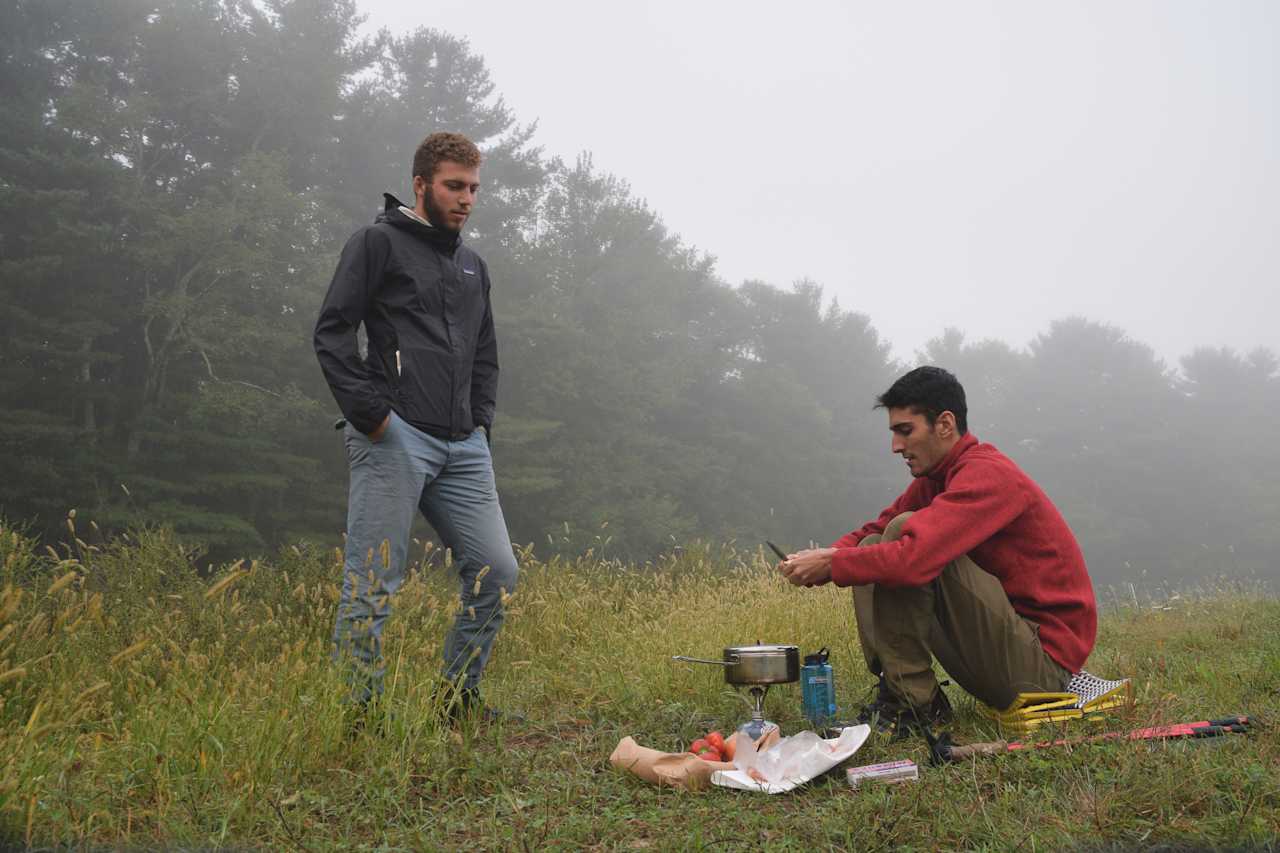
(436, 214)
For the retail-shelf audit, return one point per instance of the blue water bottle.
(818, 688)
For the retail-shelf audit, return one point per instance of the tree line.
(177, 177)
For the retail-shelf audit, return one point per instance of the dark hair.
(441, 146)
(928, 391)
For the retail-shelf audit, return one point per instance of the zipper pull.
(398, 372)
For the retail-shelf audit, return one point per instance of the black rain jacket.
(424, 300)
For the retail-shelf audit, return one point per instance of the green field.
(144, 707)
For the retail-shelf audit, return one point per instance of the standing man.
(972, 564)
(419, 409)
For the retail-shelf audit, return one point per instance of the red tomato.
(710, 755)
(715, 740)
(699, 745)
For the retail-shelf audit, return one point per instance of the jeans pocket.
(392, 417)
(357, 444)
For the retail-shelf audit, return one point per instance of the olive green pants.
(963, 619)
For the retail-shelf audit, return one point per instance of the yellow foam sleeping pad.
(1085, 696)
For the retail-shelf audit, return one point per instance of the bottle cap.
(817, 658)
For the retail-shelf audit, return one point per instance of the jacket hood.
(939, 472)
(393, 215)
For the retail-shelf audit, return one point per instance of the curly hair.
(441, 146)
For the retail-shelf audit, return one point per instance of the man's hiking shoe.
(884, 699)
(465, 706)
(881, 711)
(888, 715)
(482, 713)
(369, 716)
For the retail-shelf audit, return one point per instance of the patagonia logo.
(468, 272)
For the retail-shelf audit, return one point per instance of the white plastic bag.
(791, 762)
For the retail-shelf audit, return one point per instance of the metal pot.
(758, 664)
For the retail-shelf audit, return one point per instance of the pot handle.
(702, 660)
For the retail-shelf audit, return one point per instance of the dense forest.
(177, 178)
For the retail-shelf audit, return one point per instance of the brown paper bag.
(678, 769)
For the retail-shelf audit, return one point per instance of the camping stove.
(757, 725)
(756, 668)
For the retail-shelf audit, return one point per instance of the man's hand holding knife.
(809, 567)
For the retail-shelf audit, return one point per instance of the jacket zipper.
(451, 266)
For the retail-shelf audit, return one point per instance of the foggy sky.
(985, 166)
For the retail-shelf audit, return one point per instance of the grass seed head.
(122, 656)
(62, 583)
(9, 602)
(36, 626)
(219, 587)
(35, 716)
(91, 692)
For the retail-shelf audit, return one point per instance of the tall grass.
(143, 705)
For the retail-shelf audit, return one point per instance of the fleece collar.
(939, 472)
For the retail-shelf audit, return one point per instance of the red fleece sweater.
(976, 501)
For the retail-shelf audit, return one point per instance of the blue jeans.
(451, 482)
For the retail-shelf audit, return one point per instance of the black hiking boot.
(889, 715)
(370, 715)
(459, 706)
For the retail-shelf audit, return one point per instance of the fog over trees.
(177, 178)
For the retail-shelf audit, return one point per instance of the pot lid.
(762, 649)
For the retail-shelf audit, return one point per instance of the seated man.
(972, 565)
